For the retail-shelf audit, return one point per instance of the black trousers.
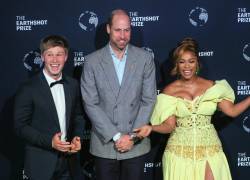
(62, 170)
(128, 169)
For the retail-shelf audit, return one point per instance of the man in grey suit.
(119, 91)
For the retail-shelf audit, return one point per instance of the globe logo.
(246, 52)
(24, 176)
(149, 50)
(245, 124)
(88, 21)
(198, 16)
(32, 61)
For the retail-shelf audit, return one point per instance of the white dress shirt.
(59, 100)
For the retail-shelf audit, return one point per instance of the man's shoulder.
(31, 81)
(138, 51)
(97, 54)
(28, 85)
(70, 79)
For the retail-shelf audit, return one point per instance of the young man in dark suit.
(48, 116)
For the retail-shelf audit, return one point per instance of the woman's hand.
(143, 131)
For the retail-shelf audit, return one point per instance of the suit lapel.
(68, 101)
(128, 72)
(45, 91)
(109, 70)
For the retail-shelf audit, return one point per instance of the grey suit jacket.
(114, 108)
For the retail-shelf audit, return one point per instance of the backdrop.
(221, 28)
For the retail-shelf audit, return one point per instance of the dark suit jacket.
(36, 121)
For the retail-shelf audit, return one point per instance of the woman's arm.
(232, 109)
(166, 127)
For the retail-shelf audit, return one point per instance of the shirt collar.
(113, 53)
(50, 79)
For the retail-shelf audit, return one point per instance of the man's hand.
(76, 145)
(60, 145)
(124, 144)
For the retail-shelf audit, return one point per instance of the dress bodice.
(194, 136)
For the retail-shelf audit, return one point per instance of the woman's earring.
(197, 71)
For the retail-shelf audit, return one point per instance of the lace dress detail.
(194, 141)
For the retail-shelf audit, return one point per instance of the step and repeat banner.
(222, 29)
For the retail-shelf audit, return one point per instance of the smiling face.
(54, 59)
(187, 65)
(186, 62)
(119, 31)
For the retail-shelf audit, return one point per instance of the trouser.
(128, 169)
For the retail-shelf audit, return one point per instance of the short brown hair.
(187, 44)
(115, 12)
(53, 41)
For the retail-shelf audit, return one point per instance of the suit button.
(130, 122)
(131, 104)
(115, 106)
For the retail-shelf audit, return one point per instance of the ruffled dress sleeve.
(224, 91)
(165, 107)
(220, 91)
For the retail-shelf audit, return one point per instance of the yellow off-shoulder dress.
(194, 142)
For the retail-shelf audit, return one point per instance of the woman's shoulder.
(170, 89)
(205, 82)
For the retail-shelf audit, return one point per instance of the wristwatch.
(134, 138)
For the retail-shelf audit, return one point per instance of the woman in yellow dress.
(184, 109)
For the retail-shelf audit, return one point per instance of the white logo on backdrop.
(78, 58)
(151, 165)
(88, 21)
(26, 24)
(243, 16)
(243, 88)
(246, 124)
(198, 16)
(24, 176)
(246, 52)
(206, 53)
(243, 159)
(32, 61)
(137, 20)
